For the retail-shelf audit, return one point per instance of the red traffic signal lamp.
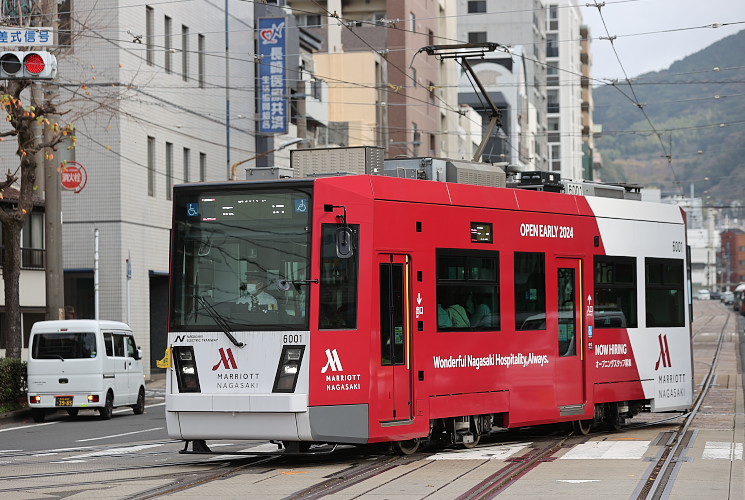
(33, 65)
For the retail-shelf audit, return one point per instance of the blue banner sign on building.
(272, 84)
(14, 37)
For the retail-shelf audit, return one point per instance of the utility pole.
(55, 289)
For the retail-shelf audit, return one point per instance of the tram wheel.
(474, 443)
(582, 426)
(407, 447)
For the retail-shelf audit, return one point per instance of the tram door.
(394, 380)
(570, 380)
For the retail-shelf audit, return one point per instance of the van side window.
(119, 345)
(108, 340)
(131, 348)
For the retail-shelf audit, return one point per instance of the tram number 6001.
(292, 339)
(677, 246)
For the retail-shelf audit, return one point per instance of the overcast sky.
(655, 51)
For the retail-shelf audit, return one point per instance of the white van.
(84, 364)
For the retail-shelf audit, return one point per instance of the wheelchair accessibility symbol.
(192, 209)
(301, 206)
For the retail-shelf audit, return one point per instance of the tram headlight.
(289, 368)
(186, 369)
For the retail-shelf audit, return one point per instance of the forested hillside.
(697, 106)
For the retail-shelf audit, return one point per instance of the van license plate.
(64, 400)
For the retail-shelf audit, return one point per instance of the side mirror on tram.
(344, 243)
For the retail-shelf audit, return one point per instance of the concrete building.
(564, 88)
(732, 259)
(157, 94)
(514, 23)
(383, 92)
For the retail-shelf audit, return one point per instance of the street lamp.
(282, 145)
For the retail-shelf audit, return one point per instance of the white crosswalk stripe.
(724, 451)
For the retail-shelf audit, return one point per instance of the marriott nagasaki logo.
(338, 381)
(226, 359)
(233, 379)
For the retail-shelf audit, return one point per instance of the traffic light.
(34, 65)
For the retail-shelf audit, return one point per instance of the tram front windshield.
(240, 257)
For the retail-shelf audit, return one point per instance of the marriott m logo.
(664, 358)
(332, 362)
(226, 359)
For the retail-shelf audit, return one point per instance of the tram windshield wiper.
(218, 319)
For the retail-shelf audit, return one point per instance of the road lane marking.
(27, 426)
(109, 453)
(118, 435)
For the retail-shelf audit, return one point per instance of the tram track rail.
(662, 472)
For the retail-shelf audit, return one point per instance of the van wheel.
(73, 412)
(108, 408)
(38, 415)
(139, 408)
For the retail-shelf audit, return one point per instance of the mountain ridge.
(695, 131)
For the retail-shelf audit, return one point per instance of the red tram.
(365, 308)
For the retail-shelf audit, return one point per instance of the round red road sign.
(74, 176)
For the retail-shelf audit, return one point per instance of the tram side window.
(615, 292)
(467, 290)
(338, 285)
(530, 291)
(664, 291)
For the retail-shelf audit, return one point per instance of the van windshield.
(72, 345)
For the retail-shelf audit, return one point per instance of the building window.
(530, 291)
(552, 45)
(169, 170)
(664, 292)
(430, 37)
(151, 166)
(187, 164)
(309, 20)
(64, 30)
(553, 17)
(200, 59)
(477, 37)
(32, 242)
(185, 52)
(615, 292)
(416, 138)
(476, 6)
(552, 101)
(467, 290)
(412, 21)
(167, 43)
(149, 34)
(202, 167)
(555, 157)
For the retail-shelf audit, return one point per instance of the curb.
(20, 414)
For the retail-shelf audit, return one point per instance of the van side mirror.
(138, 353)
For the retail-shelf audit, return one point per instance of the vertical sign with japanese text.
(272, 84)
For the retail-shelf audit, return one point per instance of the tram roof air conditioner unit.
(325, 162)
